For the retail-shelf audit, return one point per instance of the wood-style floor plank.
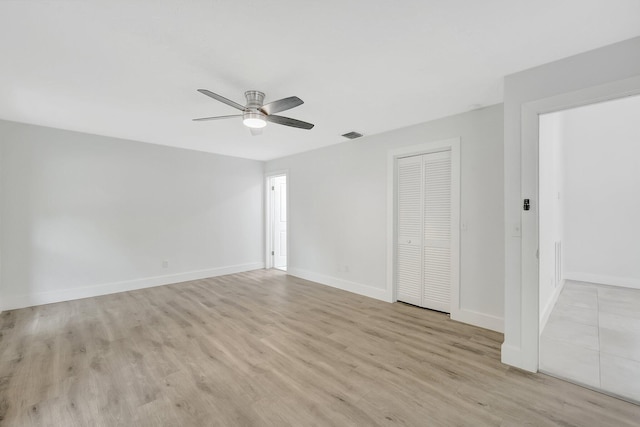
(263, 348)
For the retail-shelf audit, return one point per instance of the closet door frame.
(452, 144)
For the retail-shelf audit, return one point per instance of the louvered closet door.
(409, 244)
(437, 231)
(423, 268)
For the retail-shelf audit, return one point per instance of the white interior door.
(279, 204)
(409, 235)
(437, 231)
(424, 238)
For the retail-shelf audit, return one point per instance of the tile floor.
(593, 338)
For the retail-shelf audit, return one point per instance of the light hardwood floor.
(264, 348)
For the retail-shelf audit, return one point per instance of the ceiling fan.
(255, 115)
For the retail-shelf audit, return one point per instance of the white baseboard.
(514, 356)
(544, 317)
(345, 285)
(625, 282)
(511, 355)
(475, 318)
(40, 298)
(466, 316)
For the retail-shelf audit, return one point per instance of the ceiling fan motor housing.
(255, 99)
(252, 116)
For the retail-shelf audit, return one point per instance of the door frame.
(268, 218)
(529, 189)
(453, 145)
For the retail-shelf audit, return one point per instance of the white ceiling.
(130, 69)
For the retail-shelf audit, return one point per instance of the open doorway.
(589, 246)
(276, 221)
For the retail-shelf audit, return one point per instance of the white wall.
(551, 210)
(84, 215)
(338, 210)
(578, 73)
(2, 299)
(602, 231)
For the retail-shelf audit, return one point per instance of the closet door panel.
(437, 231)
(437, 279)
(410, 223)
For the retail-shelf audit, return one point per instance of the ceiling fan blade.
(281, 105)
(256, 131)
(204, 119)
(287, 121)
(222, 99)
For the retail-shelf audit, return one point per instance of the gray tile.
(571, 332)
(620, 376)
(620, 336)
(619, 301)
(621, 308)
(571, 313)
(593, 338)
(578, 296)
(619, 293)
(577, 285)
(571, 362)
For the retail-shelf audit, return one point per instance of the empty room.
(219, 213)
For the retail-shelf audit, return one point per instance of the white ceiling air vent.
(352, 135)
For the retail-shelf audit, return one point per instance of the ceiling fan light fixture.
(256, 114)
(254, 120)
(254, 123)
